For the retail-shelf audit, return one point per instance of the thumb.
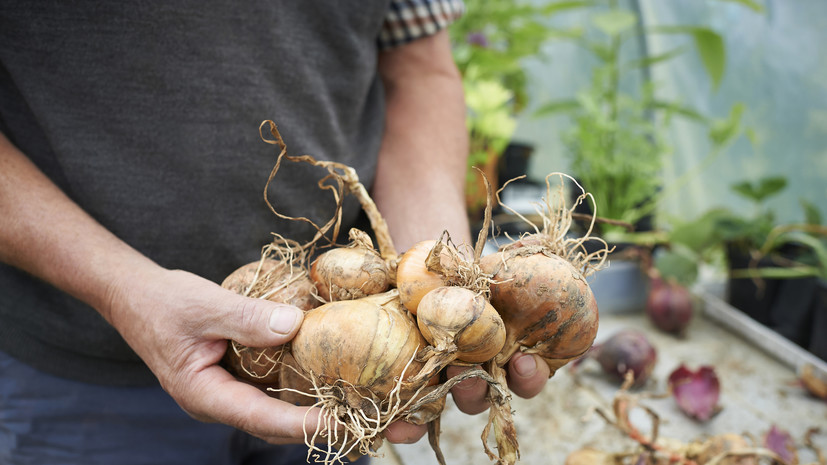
(259, 322)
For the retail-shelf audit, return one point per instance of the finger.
(469, 394)
(215, 396)
(255, 322)
(527, 375)
(401, 432)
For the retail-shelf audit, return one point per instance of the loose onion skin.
(546, 304)
(463, 319)
(349, 273)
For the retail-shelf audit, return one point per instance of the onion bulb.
(365, 343)
(351, 272)
(359, 355)
(423, 268)
(458, 317)
(276, 281)
(624, 351)
(669, 306)
(546, 304)
(461, 326)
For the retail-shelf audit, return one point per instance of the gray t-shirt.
(147, 115)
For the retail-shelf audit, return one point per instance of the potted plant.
(617, 142)
(776, 272)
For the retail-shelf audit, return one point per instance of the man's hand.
(527, 376)
(179, 324)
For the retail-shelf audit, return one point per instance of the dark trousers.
(45, 420)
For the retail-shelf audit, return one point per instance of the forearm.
(47, 235)
(420, 176)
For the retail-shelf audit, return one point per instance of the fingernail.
(284, 319)
(525, 366)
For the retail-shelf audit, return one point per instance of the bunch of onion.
(277, 276)
(538, 285)
(322, 348)
(351, 272)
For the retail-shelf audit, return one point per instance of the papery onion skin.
(696, 392)
(413, 279)
(589, 456)
(361, 342)
(719, 444)
(546, 304)
(348, 273)
(464, 317)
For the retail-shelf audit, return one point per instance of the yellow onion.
(461, 319)
(360, 356)
(546, 304)
(276, 281)
(272, 280)
(460, 325)
(351, 272)
(419, 272)
(365, 344)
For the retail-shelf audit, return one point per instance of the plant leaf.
(678, 109)
(751, 4)
(615, 21)
(725, 130)
(557, 7)
(556, 106)
(678, 263)
(710, 46)
(812, 215)
(655, 59)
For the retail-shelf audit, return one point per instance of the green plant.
(617, 142)
(794, 249)
(490, 44)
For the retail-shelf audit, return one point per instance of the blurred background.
(763, 59)
(699, 127)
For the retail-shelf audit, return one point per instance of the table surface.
(757, 392)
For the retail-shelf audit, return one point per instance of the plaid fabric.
(408, 20)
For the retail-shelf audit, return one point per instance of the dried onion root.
(278, 276)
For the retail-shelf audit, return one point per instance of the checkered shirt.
(408, 20)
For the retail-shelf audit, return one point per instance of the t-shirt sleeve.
(408, 20)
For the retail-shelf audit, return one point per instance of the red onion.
(625, 350)
(669, 306)
(696, 392)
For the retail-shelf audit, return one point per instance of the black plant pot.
(753, 297)
(795, 308)
(818, 333)
(514, 162)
